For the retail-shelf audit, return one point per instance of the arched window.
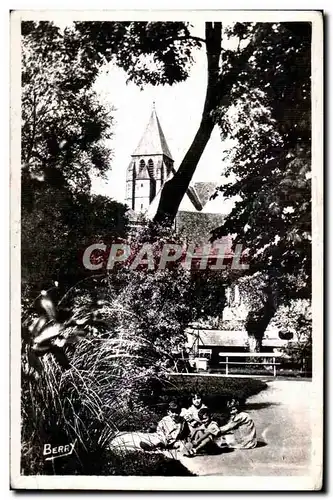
(142, 165)
(151, 167)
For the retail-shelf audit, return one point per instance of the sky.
(179, 108)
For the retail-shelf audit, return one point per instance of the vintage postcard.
(167, 250)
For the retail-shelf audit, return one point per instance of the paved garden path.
(283, 421)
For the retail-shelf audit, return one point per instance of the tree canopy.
(64, 128)
(269, 163)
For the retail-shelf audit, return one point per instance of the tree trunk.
(257, 322)
(254, 343)
(174, 190)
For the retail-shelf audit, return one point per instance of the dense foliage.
(138, 332)
(149, 52)
(57, 230)
(269, 163)
(64, 129)
(268, 120)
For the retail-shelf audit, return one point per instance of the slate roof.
(197, 226)
(153, 141)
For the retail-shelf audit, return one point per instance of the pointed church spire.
(153, 141)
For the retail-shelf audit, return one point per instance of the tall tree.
(64, 128)
(223, 70)
(168, 47)
(270, 163)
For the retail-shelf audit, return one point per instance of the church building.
(150, 167)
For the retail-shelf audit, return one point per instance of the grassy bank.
(215, 392)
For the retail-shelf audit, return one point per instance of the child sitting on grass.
(191, 414)
(239, 431)
(207, 437)
(170, 432)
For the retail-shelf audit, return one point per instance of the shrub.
(296, 320)
(215, 390)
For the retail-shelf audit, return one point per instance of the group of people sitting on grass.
(193, 430)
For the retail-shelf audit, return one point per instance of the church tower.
(150, 165)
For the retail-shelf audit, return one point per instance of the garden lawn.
(215, 392)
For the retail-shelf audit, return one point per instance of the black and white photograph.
(167, 250)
